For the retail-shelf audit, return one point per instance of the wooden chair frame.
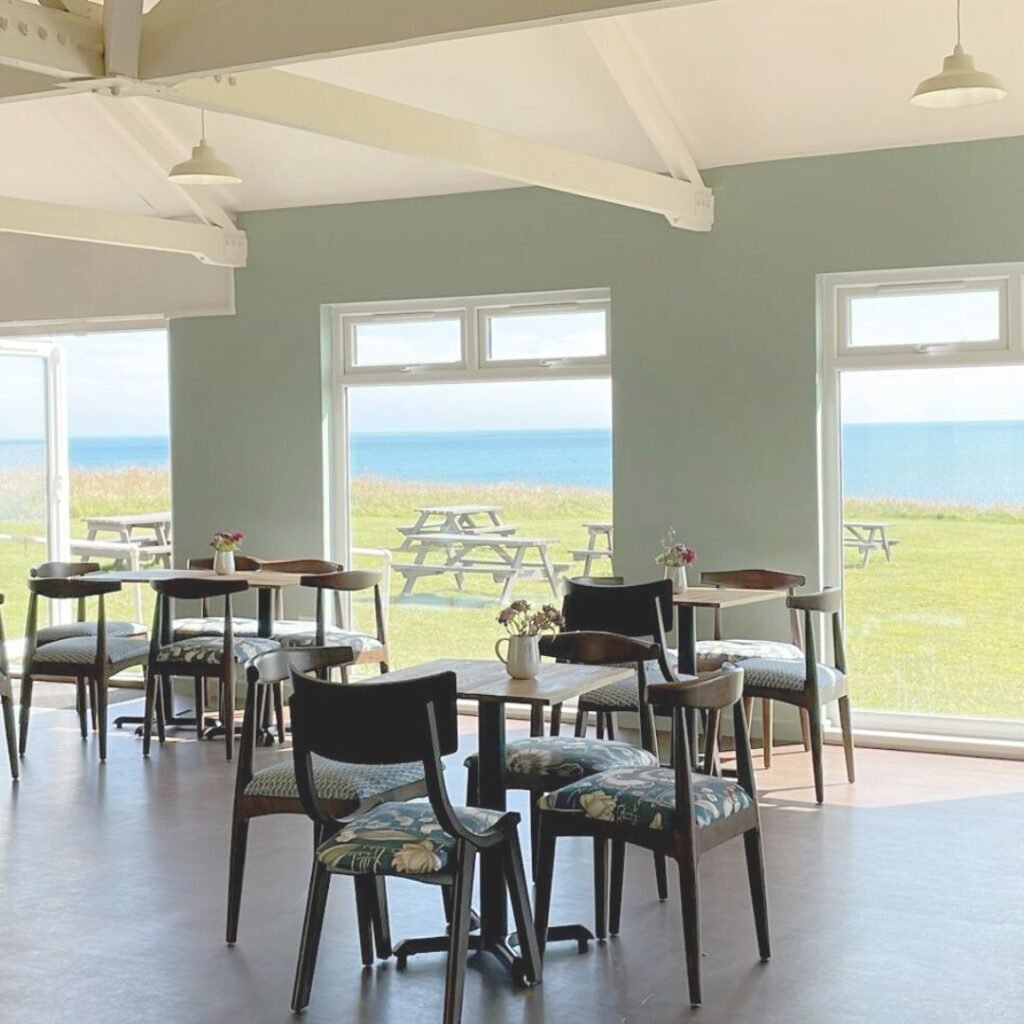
(685, 843)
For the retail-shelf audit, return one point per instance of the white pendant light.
(203, 167)
(959, 83)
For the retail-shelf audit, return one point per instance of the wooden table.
(488, 683)
(868, 536)
(123, 527)
(594, 551)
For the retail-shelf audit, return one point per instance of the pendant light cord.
(202, 111)
(958, 23)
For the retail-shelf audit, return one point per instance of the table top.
(261, 579)
(599, 526)
(490, 681)
(135, 519)
(480, 540)
(865, 524)
(457, 510)
(724, 597)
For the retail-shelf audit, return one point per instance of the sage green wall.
(715, 395)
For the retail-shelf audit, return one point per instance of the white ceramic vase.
(677, 574)
(522, 658)
(223, 562)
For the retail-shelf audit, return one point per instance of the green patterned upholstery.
(398, 839)
(81, 650)
(209, 650)
(334, 780)
(545, 762)
(775, 674)
(48, 634)
(333, 637)
(645, 797)
(713, 654)
(212, 625)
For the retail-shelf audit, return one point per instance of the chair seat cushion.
(713, 654)
(334, 780)
(551, 761)
(81, 650)
(209, 650)
(398, 839)
(212, 625)
(48, 634)
(333, 637)
(622, 696)
(645, 798)
(782, 674)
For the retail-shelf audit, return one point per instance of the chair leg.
(758, 895)
(366, 899)
(661, 876)
(278, 689)
(581, 722)
(236, 875)
(161, 711)
(615, 885)
(748, 710)
(458, 938)
(600, 725)
(609, 725)
(312, 925)
(814, 713)
(199, 692)
(100, 706)
(805, 728)
(92, 704)
(767, 730)
(26, 711)
(601, 888)
(80, 707)
(9, 730)
(556, 719)
(847, 728)
(229, 712)
(520, 898)
(381, 919)
(147, 715)
(535, 795)
(542, 884)
(690, 898)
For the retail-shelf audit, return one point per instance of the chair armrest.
(829, 600)
(711, 690)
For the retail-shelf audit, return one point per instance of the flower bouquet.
(524, 627)
(675, 557)
(224, 547)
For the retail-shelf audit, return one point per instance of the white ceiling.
(745, 80)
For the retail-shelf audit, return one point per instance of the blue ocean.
(963, 463)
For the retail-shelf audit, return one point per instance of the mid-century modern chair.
(200, 657)
(388, 723)
(540, 764)
(673, 811)
(81, 627)
(713, 654)
(346, 790)
(7, 698)
(809, 684)
(88, 659)
(207, 624)
(369, 648)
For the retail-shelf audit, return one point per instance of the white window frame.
(940, 732)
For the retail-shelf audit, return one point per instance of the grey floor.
(901, 900)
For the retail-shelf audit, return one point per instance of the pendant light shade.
(204, 167)
(959, 83)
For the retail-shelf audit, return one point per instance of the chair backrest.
(74, 588)
(345, 582)
(757, 579)
(593, 648)
(639, 610)
(188, 589)
(713, 692)
(592, 581)
(62, 570)
(276, 667)
(828, 603)
(302, 566)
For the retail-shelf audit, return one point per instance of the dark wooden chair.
(672, 811)
(208, 624)
(541, 764)
(809, 684)
(81, 627)
(369, 648)
(346, 790)
(199, 657)
(7, 698)
(388, 723)
(713, 654)
(88, 659)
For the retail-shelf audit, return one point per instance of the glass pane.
(569, 335)
(933, 539)
(407, 343)
(928, 318)
(22, 480)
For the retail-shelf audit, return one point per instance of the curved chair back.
(827, 602)
(757, 579)
(592, 581)
(302, 566)
(346, 582)
(188, 589)
(62, 570)
(61, 588)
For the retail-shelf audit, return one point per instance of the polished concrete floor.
(901, 900)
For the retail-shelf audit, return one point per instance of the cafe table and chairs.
(345, 790)
(87, 660)
(398, 721)
(7, 698)
(675, 812)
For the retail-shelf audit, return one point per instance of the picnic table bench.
(868, 536)
(504, 559)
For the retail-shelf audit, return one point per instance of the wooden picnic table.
(505, 560)
(867, 536)
(461, 519)
(157, 544)
(599, 545)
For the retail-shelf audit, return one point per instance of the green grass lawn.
(935, 631)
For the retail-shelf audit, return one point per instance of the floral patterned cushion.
(333, 637)
(398, 839)
(645, 797)
(81, 650)
(209, 650)
(213, 625)
(775, 674)
(713, 654)
(48, 634)
(334, 780)
(547, 761)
